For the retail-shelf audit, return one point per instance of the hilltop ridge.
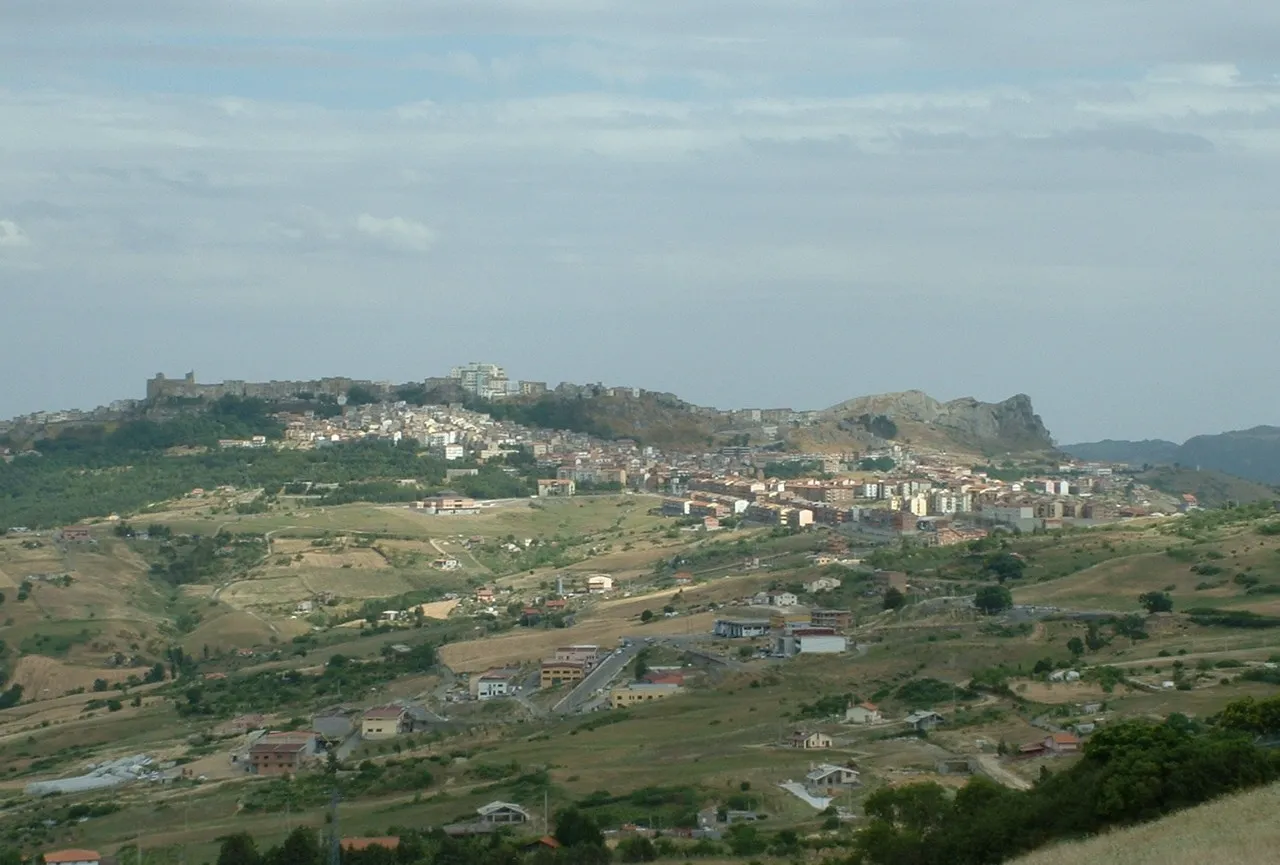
(663, 419)
(1010, 425)
(1253, 454)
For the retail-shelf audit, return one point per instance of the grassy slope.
(1211, 488)
(1238, 830)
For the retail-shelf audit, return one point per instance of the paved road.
(991, 766)
(600, 677)
(584, 697)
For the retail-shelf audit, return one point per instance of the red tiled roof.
(58, 856)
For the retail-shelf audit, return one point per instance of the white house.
(494, 683)
(809, 741)
(598, 583)
(822, 584)
(863, 713)
(783, 599)
(503, 813)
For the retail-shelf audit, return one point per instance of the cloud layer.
(765, 203)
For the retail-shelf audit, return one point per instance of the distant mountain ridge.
(1253, 454)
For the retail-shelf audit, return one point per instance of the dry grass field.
(534, 644)
(40, 676)
(1238, 830)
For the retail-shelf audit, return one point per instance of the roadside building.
(555, 673)
(810, 641)
(641, 692)
(740, 628)
(383, 722)
(586, 655)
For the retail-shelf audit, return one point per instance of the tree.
(1075, 646)
(1133, 627)
(155, 674)
(1005, 565)
(993, 599)
(636, 848)
(1093, 638)
(894, 599)
(299, 848)
(575, 828)
(641, 664)
(100, 684)
(646, 616)
(239, 849)
(1156, 602)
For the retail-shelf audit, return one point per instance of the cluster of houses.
(289, 752)
(794, 631)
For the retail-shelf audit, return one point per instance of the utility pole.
(335, 837)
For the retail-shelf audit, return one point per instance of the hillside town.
(890, 491)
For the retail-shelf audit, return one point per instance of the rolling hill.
(1253, 454)
(1237, 830)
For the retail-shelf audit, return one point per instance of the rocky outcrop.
(1011, 425)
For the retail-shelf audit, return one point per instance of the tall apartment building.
(485, 380)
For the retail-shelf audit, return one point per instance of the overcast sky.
(749, 203)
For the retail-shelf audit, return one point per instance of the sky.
(748, 203)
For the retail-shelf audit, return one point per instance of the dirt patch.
(44, 678)
(1058, 692)
(534, 645)
(438, 609)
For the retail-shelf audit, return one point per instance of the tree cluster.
(1131, 772)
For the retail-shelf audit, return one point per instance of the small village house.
(383, 722)
(599, 583)
(828, 780)
(282, 753)
(924, 720)
(503, 813)
(72, 857)
(863, 713)
(1062, 743)
(809, 741)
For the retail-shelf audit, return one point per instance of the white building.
(454, 452)
(493, 685)
(810, 641)
(598, 583)
(863, 713)
(485, 380)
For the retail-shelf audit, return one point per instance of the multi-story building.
(561, 672)
(485, 380)
(640, 692)
(587, 655)
(835, 619)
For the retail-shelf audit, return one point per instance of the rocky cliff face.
(1011, 425)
